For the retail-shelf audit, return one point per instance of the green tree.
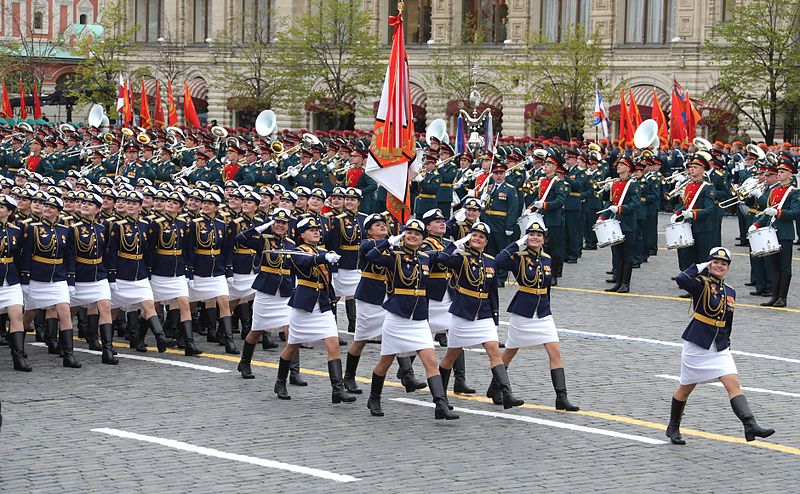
(758, 55)
(561, 76)
(21, 56)
(329, 57)
(105, 57)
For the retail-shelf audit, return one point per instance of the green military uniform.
(209, 173)
(592, 203)
(136, 170)
(575, 183)
(502, 202)
(426, 193)
(444, 196)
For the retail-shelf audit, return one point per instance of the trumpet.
(601, 184)
(677, 191)
(678, 176)
(529, 186)
(741, 192)
(469, 175)
(288, 172)
(185, 172)
(86, 170)
(80, 152)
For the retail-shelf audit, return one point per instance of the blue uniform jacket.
(47, 255)
(166, 244)
(476, 286)
(345, 236)
(126, 247)
(206, 248)
(89, 241)
(10, 246)
(313, 280)
(533, 271)
(275, 270)
(372, 286)
(439, 276)
(713, 303)
(406, 279)
(242, 259)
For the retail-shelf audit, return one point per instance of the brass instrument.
(741, 192)
(186, 171)
(143, 138)
(529, 186)
(276, 147)
(81, 152)
(288, 172)
(599, 185)
(678, 176)
(441, 163)
(468, 176)
(677, 191)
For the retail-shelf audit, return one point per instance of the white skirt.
(88, 293)
(345, 282)
(42, 294)
(206, 288)
(311, 328)
(530, 331)
(438, 314)
(270, 311)
(10, 295)
(468, 334)
(129, 294)
(242, 287)
(168, 288)
(369, 321)
(699, 365)
(404, 337)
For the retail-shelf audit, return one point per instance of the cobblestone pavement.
(617, 350)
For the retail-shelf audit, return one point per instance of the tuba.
(437, 129)
(702, 144)
(266, 124)
(96, 115)
(646, 135)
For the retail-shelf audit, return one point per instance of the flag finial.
(400, 6)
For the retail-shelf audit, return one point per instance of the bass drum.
(679, 235)
(764, 242)
(527, 219)
(609, 232)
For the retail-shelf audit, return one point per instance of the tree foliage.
(97, 77)
(21, 56)
(758, 55)
(330, 58)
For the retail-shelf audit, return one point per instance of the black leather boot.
(617, 279)
(280, 382)
(267, 341)
(174, 321)
(460, 376)
(295, 378)
(119, 324)
(227, 334)
(674, 426)
(141, 335)
(83, 323)
(93, 323)
(783, 290)
(39, 327)
(374, 401)
(190, 349)
(338, 393)
(493, 392)
(3, 326)
(560, 385)
(405, 373)
(442, 410)
(235, 319)
(211, 316)
(161, 340)
(244, 363)
(107, 337)
(51, 336)
(245, 319)
(65, 340)
(444, 376)
(16, 341)
(168, 325)
(627, 270)
(751, 429)
(501, 378)
(776, 291)
(133, 330)
(350, 309)
(351, 366)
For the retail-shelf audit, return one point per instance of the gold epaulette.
(487, 255)
(238, 220)
(77, 223)
(198, 219)
(121, 222)
(160, 219)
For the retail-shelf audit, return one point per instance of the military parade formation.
(216, 232)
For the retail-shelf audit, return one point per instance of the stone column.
(446, 21)
(518, 21)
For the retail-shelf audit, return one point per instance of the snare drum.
(679, 235)
(528, 218)
(609, 232)
(764, 242)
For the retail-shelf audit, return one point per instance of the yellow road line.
(664, 297)
(600, 415)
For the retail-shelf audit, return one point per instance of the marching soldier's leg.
(83, 323)
(51, 335)
(173, 321)
(350, 309)
(245, 317)
(294, 371)
(460, 376)
(39, 326)
(92, 326)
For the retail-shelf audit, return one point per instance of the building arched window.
(38, 20)
(649, 21)
(201, 15)
(416, 19)
(559, 16)
(148, 18)
(484, 21)
(83, 19)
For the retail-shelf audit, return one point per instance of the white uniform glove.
(331, 166)
(263, 228)
(332, 257)
(606, 187)
(523, 241)
(190, 283)
(509, 233)
(687, 214)
(460, 243)
(395, 240)
(72, 291)
(674, 218)
(752, 229)
(538, 204)
(418, 178)
(755, 193)
(771, 212)
(702, 266)
(294, 172)
(680, 179)
(614, 208)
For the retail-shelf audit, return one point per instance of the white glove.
(331, 166)
(680, 179)
(771, 212)
(230, 281)
(606, 187)
(614, 209)
(190, 283)
(674, 218)
(72, 291)
(702, 266)
(294, 172)
(687, 214)
(509, 232)
(332, 257)
(462, 241)
(751, 229)
(755, 193)
(538, 204)
(523, 241)
(418, 178)
(262, 228)
(395, 240)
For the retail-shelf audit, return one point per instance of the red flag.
(128, 118)
(625, 124)
(661, 120)
(23, 109)
(121, 97)
(144, 110)
(692, 118)
(172, 114)
(677, 114)
(7, 112)
(636, 118)
(189, 114)
(392, 145)
(158, 112)
(37, 105)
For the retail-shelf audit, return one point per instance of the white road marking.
(532, 420)
(754, 390)
(176, 363)
(665, 343)
(171, 443)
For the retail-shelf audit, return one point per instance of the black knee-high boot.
(439, 393)
(83, 324)
(173, 320)
(92, 326)
(235, 319)
(65, 340)
(460, 375)
(350, 309)
(199, 320)
(501, 378)
(675, 416)
(16, 341)
(338, 393)
(280, 382)
(40, 326)
(751, 429)
(119, 324)
(244, 362)
(211, 317)
(560, 386)
(350, 374)
(51, 336)
(245, 319)
(405, 373)
(134, 332)
(227, 335)
(107, 337)
(161, 340)
(295, 378)
(444, 377)
(188, 340)
(374, 401)
(267, 341)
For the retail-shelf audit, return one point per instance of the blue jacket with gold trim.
(533, 271)
(372, 286)
(313, 280)
(89, 240)
(241, 258)
(275, 270)
(126, 248)
(47, 254)
(714, 303)
(406, 279)
(10, 247)
(475, 284)
(345, 237)
(439, 276)
(206, 248)
(166, 244)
